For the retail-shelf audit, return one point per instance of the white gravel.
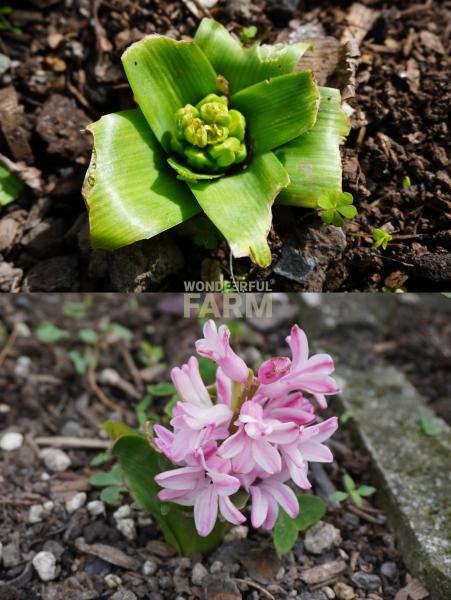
(45, 565)
(55, 460)
(75, 502)
(11, 440)
(96, 507)
(127, 528)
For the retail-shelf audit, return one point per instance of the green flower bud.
(215, 112)
(177, 145)
(216, 134)
(183, 117)
(211, 98)
(237, 124)
(241, 155)
(225, 152)
(198, 159)
(196, 133)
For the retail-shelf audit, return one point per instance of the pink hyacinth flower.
(254, 442)
(216, 346)
(274, 369)
(207, 488)
(267, 495)
(294, 408)
(310, 375)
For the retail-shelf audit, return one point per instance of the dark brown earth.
(64, 71)
(41, 395)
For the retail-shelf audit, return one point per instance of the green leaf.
(186, 174)
(115, 429)
(141, 410)
(122, 332)
(76, 310)
(336, 205)
(381, 238)
(48, 332)
(112, 494)
(81, 362)
(162, 389)
(338, 496)
(285, 532)
(10, 186)
(428, 427)
(247, 34)
(150, 354)
(356, 498)
(88, 336)
(366, 490)
(207, 369)
(240, 206)
(311, 510)
(165, 75)
(130, 191)
(99, 459)
(278, 110)
(313, 160)
(140, 463)
(243, 67)
(112, 477)
(348, 483)
(169, 406)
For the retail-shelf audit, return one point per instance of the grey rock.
(11, 555)
(321, 537)
(312, 596)
(150, 567)
(10, 278)
(216, 567)
(389, 570)
(5, 64)
(198, 574)
(75, 502)
(96, 507)
(409, 468)
(36, 513)
(293, 265)
(55, 460)
(366, 581)
(71, 429)
(142, 266)
(127, 528)
(55, 548)
(123, 594)
(45, 565)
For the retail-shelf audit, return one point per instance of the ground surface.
(43, 396)
(63, 71)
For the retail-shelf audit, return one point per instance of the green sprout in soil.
(381, 239)
(406, 182)
(5, 25)
(352, 491)
(221, 129)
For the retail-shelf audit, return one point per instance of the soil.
(42, 395)
(63, 71)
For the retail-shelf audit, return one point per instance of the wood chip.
(359, 21)
(109, 554)
(159, 548)
(323, 572)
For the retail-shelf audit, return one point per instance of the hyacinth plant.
(221, 128)
(241, 446)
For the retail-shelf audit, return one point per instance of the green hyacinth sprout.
(220, 128)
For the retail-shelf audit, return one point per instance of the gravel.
(366, 581)
(344, 591)
(11, 440)
(36, 513)
(198, 574)
(55, 460)
(127, 528)
(389, 570)
(321, 537)
(76, 502)
(96, 507)
(45, 565)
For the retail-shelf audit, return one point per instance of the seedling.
(381, 238)
(406, 182)
(336, 206)
(10, 185)
(112, 485)
(221, 129)
(5, 25)
(352, 492)
(49, 333)
(428, 427)
(247, 34)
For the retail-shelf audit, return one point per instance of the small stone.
(143, 520)
(55, 548)
(11, 440)
(122, 512)
(366, 581)
(112, 580)
(344, 591)
(280, 574)
(96, 507)
(48, 506)
(23, 367)
(239, 532)
(328, 592)
(150, 567)
(45, 565)
(127, 528)
(75, 502)
(389, 570)
(321, 537)
(198, 573)
(71, 429)
(11, 555)
(5, 64)
(36, 513)
(312, 596)
(55, 460)
(216, 567)
(123, 594)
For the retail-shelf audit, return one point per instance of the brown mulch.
(64, 71)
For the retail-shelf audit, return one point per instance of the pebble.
(321, 537)
(49, 506)
(45, 565)
(143, 520)
(96, 507)
(11, 440)
(239, 532)
(55, 460)
(312, 596)
(329, 592)
(198, 573)
(36, 513)
(127, 528)
(344, 591)
(389, 570)
(71, 429)
(150, 567)
(122, 512)
(366, 581)
(112, 580)
(216, 567)
(75, 502)
(23, 367)
(123, 594)
(5, 64)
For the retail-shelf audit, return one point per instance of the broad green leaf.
(75, 310)
(122, 332)
(348, 483)
(164, 75)
(81, 362)
(338, 496)
(240, 206)
(278, 110)
(112, 477)
(115, 429)
(140, 463)
(10, 186)
(356, 498)
(161, 389)
(88, 336)
(313, 160)
(131, 192)
(285, 532)
(169, 406)
(428, 427)
(112, 494)
(99, 459)
(48, 332)
(187, 174)
(243, 67)
(311, 510)
(366, 490)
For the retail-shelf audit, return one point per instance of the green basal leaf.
(366, 490)
(186, 174)
(338, 496)
(88, 336)
(115, 429)
(356, 498)
(241, 66)
(99, 459)
(348, 483)
(428, 427)
(47, 332)
(162, 389)
(10, 186)
(311, 510)
(112, 494)
(130, 191)
(165, 75)
(240, 206)
(285, 532)
(313, 160)
(140, 463)
(112, 477)
(278, 110)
